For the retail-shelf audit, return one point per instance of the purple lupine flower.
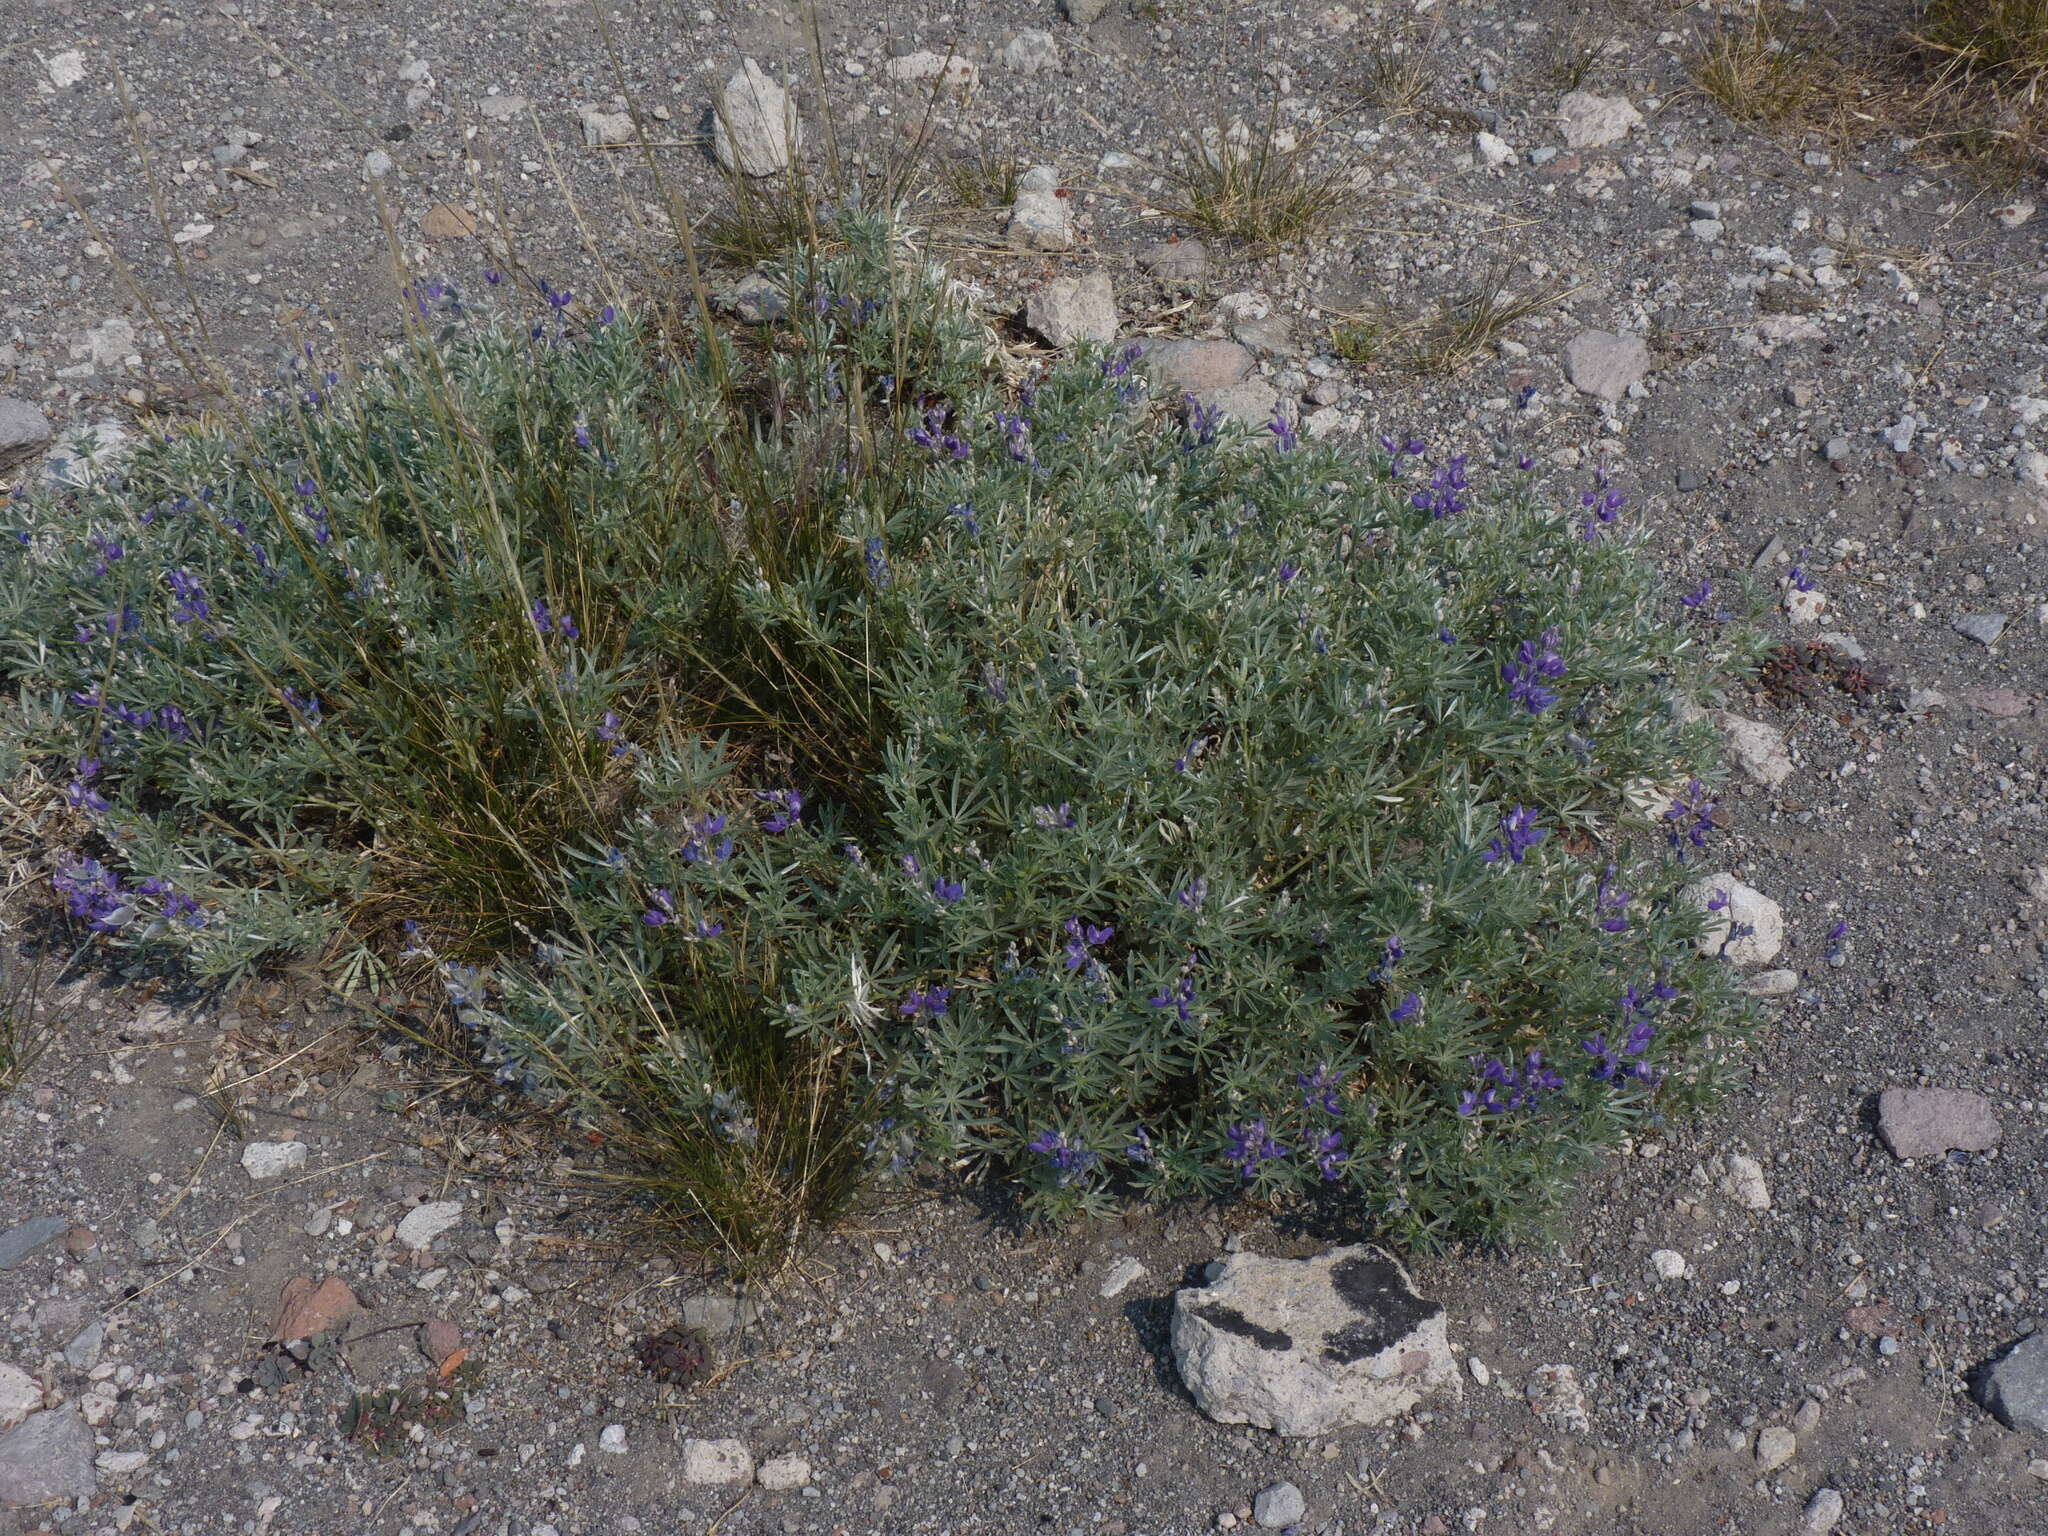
(1689, 818)
(926, 1004)
(1799, 580)
(707, 929)
(1287, 572)
(1329, 1154)
(1521, 1084)
(1066, 1159)
(1193, 894)
(1441, 500)
(948, 892)
(1603, 505)
(493, 276)
(581, 434)
(606, 316)
(301, 704)
(192, 604)
(1180, 997)
(1081, 938)
(543, 623)
(1139, 1149)
(1410, 447)
(1319, 1090)
(1285, 438)
(1053, 817)
(1392, 953)
(1536, 661)
(1407, 1008)
(662, 912)
(1526, 462)
(706, 840)
(93, 892)
(109, 552)
(1519, 833)
(911, 866)
(964, 510)
(1016, 432)
(79, 793)
(1118, 363)
(1252, 1146)
(1445, 636)
(1698, 594)
(1204, 422)
(1610, 904)
(878, 565)
(1606, 1062)
(789, 808)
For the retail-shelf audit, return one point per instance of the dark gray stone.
(47, 1457)
(2015, 1385)
(1984, 628)
(24, 432)
(37, 1232)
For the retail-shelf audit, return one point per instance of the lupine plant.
(814, 759)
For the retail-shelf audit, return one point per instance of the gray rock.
(1775, 1445)
(18, 1243)
(1706, 231)
(1742, 1180)
(1304, 1346)
(1071, 309)
(719, 1315)
(272, 1159)
(1926, 1122)
(423, 1223)
(83, 1352)
(1279, 1506)
(1591, 121)
(20, 1395)
(1557, 1398)
(784, 1472)
(1031, 52)
(1760, 917)
(1758, 749)
(1194, 367)
(1085, 13)
(502, 109)
(1837, 449)
(1040, 219)
(755, 130)
(601, 127)
(2015, 1385)
(24, 432)
(1176, 261)
(48, 1457)
(711, 1462)
(1984, 628)
(755, 299)
(1605, 363)
(1822, 1512)
(1253, 400)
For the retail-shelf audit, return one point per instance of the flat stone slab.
(1926, 1122)
(17, 1243)
(48, 1457)
(1306, 1346)
(2015, 1385)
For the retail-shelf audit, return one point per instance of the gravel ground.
(1843, 369)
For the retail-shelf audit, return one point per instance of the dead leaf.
(447, 221)
(439, 1339)
(305, 1309)
(454, 1362)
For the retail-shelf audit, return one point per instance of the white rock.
(783, 1472)
(1591, 121)
(502, 109)
(20, 1395)
(1743, 1182)
(24, 432)
(1772, 984)
(926, 65)
(1031, 52)
(120, 1463)
(1758, 749)
(1556, 1398)
(612, 1439)
(711, 1462)
(1071, 309)
(1759, 915)
(601, 127)
(1822, 1511)
(2015, 213)
(1669, 1264)
(1305, 1346)
(271, 1159)
(2030, 468)
(1805, 607)
(110, 344)
(65, 69)
(1120, 1276)
(1775, 1445)
(1481, 1373)
(1494, 149)
(1040, 221)
(1278, 1507)
(423, 1223)
(755, 129)
(1605, 363)
(377, 165)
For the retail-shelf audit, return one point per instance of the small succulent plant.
(676, 1356)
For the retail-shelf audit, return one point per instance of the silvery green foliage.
(1113, 799)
